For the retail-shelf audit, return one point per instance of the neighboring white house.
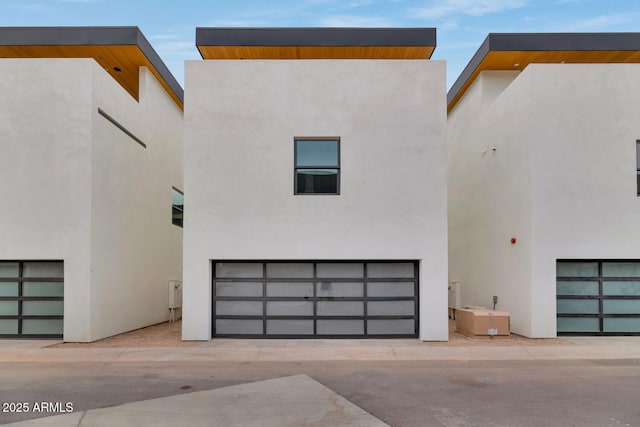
(543, 156)
(315, 174)
(91, 140)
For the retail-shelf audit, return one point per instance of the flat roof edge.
(317, 36)
(91, 36)
(542, 42)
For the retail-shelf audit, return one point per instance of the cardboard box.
(478, 323)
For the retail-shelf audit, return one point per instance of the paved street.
(592, 392)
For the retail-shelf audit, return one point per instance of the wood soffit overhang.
(316, 43)
(121, 51)
(516, 51)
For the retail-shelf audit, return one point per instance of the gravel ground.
(169, 335)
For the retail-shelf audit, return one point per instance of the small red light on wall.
(513, 240)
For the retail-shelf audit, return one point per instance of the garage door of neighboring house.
(31, 299)
(299, 299)
(598, 297)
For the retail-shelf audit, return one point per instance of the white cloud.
(355, 21)
(445, 8)
(610, 22)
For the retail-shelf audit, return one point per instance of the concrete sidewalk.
(290, 401)
(239, 350)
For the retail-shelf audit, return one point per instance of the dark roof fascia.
(207, 36)
(544, 42)
(469, 69)
(90, 36)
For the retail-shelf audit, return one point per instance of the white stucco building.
(543, 134)
(316, 184)
(91, 138)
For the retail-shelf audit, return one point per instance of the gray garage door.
(31, 299)
(598, 297)
(340, 299)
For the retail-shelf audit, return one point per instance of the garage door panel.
(239, 289)
(340, 270)
(239, 269)
(390, 289)
(605, 303)
(631, 288)
(8, 327)
(289, 308)
(289, 327)
(622, 325)
(290, 270)
(340, 308)
(390, 270)
(239, 308)
(391, 326)
(292, 289)
(31, 299)
(239, 326)
(315, 298)
(391, 308)
(578, 324)
(330, 289)
(340, 327)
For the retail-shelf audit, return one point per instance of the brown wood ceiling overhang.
(516, 51)
(316, 43)
(119, 50)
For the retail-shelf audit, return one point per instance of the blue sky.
(461, 25)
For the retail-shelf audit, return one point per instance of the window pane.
(238, 326)
(390, 289)
(621, 269)
(583, 306)
(621, 306)
(177, 207)
(329, 289)
(290, 269)
(43, 269)
(289, 289)
(289, 308)
(622, 324)
(42, 326)
(289, 327)
(8, 308)
(577, 288)
(238, 289)
(391, 327)
(346, 270)
(578, 324)
(340, 327)
(390, 270)
(316, 153)
(621, 288)
(239, 269)
(239, 308)
(317, 181)
(43, 289)
(340, 308)
(8, 269)
(42, 308)
(391, 308)
(577, 269)
(8, 326)
(8, 289)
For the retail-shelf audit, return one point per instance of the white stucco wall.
(241, 118)
(75, 188)
(489, 198)
(584, 192)
(135, 248)
(563, 182)
(45, 166)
